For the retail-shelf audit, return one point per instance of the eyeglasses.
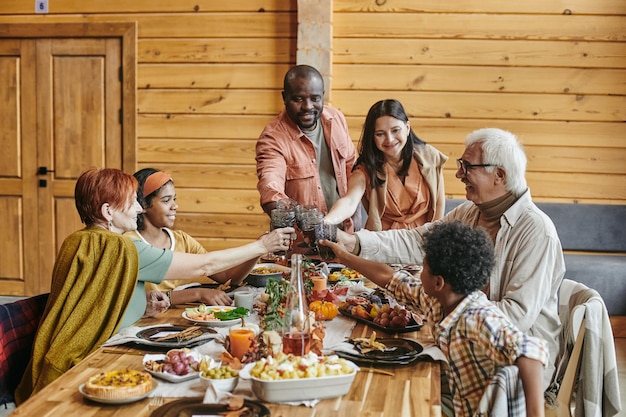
(466, 166)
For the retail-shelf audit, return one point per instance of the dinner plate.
(81, 389)
(214, 323)
(398, 352)
(395, 349)
(195, 407)
(364, 360)
(335, 279)
(148, 336)
(410, 268)
(411, 327)
(229, 291)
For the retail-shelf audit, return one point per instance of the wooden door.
(61, 112)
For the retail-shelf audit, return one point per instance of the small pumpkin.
(324, 309)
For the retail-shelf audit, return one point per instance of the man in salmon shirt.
(305, 153)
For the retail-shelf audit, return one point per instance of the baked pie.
(119, 384)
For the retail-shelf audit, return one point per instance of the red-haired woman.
(98, 277)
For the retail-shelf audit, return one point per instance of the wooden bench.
(593, 237)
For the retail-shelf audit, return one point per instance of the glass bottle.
(296, 331)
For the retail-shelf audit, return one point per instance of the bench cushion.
(605, 274)
(589, 227)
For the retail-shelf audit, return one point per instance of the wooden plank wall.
(552, 72)
(210, 75)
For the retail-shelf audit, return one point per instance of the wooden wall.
(210, 75)
(552, 72)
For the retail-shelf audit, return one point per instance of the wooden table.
(414, 390)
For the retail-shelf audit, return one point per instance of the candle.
(240, 341)
(319, 283)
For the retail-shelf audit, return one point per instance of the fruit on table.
(397, 316)
(374, 311)
(323, 309)
(361, 312)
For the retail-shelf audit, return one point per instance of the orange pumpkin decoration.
(324, 309)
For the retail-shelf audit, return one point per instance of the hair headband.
(155, 181)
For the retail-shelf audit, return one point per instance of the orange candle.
(319, 283)
(240, 341)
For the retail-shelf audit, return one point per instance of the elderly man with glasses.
(529, 259)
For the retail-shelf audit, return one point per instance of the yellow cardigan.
(93, 279)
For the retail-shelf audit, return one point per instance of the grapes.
(396, 317)
(178, 362)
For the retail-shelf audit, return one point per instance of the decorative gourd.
(324, 309)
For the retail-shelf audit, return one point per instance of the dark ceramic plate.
(148, 336)
(188, 407)
(364, 360)
(411, 327)
(398, 352)
(395, 349)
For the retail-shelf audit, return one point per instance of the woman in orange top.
(397, 177)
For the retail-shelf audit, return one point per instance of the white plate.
(165, 375)
(81, 389)
(214, 323)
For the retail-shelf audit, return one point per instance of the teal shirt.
(153, 265)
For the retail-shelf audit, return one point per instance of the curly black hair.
(462, 255)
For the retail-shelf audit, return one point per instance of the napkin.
(359, 290)
(191, 388)
(337, 331)
(128, 334)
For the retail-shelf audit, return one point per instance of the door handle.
(43, 170)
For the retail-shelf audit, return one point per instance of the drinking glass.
(282, 218)
(287, 204)
(325, 231)
(309, 220)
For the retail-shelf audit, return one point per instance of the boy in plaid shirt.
(472, 332)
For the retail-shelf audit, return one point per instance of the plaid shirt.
(476, 337)
(18, 325)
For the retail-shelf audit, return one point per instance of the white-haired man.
(529, 258)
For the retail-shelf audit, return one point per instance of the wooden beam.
(315, 33)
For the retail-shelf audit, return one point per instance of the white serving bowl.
(300, 389)
(227, 385)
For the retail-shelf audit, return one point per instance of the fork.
(156, 401)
